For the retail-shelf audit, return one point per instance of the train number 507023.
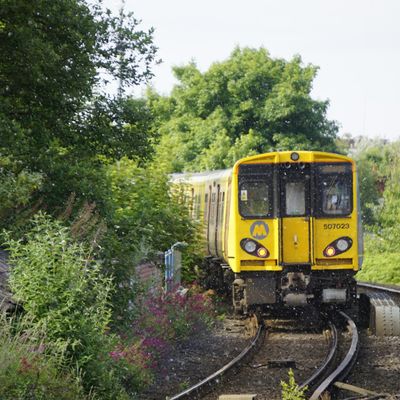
(336, 226)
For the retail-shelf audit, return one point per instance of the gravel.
(192, 360)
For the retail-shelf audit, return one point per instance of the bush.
(65, 295)
(17, 186)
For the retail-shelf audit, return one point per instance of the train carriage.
(283, 228)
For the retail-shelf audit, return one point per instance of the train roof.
(289, 156)
(272, 157)
(194, 177)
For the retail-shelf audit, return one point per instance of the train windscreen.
(335, 185)
(256, 191)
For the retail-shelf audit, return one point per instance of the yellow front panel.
(266, 233)
(327, 230)
(295, 240)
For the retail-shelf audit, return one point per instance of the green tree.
(248, 104)
(56, 58)
(53, 56)
(376, 162)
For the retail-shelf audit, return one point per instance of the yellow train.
(282, 228)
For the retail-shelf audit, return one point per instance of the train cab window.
(256, 191)
(254, 199)
(295, 198)
(335, 190)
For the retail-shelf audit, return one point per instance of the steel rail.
(378, 287)
(194, 391)
(317, 376)
(347, 363)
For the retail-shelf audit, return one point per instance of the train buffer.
(384, 315)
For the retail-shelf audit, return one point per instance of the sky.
(355, 44)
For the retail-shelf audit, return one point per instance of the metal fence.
(173, 266)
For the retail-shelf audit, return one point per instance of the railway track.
(319, 382)
(380, 288)
(208, 383)
(323, 378)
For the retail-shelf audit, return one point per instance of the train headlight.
(330, 251)
(250, 246)
(262, 252)
(342, 244)
(254, 248)
(338, 246)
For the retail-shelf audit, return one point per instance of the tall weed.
(28, 370)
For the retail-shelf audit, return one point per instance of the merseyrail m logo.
(259, 230)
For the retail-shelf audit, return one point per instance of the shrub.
(17, 186)
(64, 293)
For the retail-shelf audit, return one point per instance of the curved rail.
(194, 391)
(378, 287)
(316, 377)
(345, 366)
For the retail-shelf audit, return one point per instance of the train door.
(295, 188)
(207, 213)
(217, 218)
(212, 222)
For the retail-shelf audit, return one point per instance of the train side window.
(255, 199)
(295, 198)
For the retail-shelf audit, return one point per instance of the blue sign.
(259, 230)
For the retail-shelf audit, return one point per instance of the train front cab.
(297, 234)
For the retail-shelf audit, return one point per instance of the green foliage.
(146, 206)
(379, 267)
(17, 184)
(66, 296)
(147, 218)
(52, 56)
(248, 104)
(28, 371)
(54, 120)
(378, 164)
(291, 391)
(374, 160)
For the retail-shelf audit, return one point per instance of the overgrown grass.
(28, 370)
(381, 261)
(380, 268)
